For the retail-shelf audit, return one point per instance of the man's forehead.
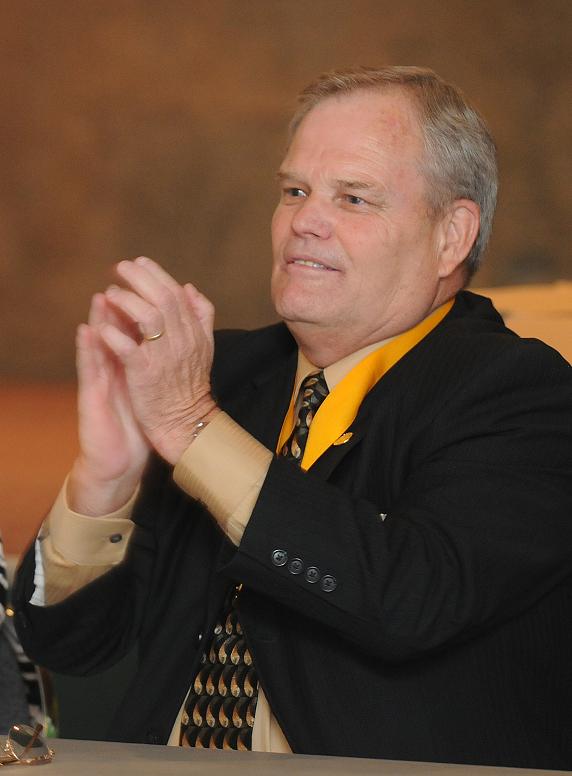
(389, 115)
(358, 131)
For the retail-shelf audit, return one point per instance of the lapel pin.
(343, 439)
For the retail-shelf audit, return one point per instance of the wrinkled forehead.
(383, 121)
(397, 109)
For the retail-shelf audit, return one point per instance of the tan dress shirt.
(76, 549)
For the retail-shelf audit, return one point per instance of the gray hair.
(460, 160)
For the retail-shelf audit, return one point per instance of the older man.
(364, 547)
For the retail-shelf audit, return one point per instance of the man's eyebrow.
(342, 183)
(362, 185)
(283, 175)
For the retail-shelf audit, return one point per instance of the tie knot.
(313, 391)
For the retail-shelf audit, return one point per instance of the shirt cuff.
(224, 468)
(90, 541)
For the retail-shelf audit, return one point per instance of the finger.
(152, 283)
(86, 362)
(157, 271)
(94, 360)
(149, 320)
(168, 297)
(147, 278)
(96, 314)
(101, 312)
(202, 308)
(124, 347)
(119, 319)
(163, 277)
(88, 339)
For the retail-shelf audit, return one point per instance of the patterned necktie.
(312, 393)
(220, 708)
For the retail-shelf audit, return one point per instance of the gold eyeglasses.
(25, 747)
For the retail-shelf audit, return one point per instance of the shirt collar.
(336, 371)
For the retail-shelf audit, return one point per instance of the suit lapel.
(335, 454)
(370, 416)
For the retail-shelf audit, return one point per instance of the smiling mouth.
(310, 263)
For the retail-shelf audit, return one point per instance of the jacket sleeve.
(107, 613)
(479, 530)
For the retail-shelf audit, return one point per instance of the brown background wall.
(155, 126)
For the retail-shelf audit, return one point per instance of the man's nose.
(312, 217)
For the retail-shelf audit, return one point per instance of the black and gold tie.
(312, 393)
(220, 708)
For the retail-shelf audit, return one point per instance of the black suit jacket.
(440, 626)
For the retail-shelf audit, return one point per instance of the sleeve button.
(312, 574)
(279, 557)
(328, 583)
(114, 538)
(295, 566)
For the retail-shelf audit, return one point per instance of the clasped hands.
(137, 390)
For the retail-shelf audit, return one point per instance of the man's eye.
(354, 200)
(292, 191)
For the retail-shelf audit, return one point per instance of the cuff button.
(114, 538)
(295, 566)
(279, 557)
(312, 574)
(328, 583)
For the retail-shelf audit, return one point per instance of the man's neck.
(324, 346)
(323, 349)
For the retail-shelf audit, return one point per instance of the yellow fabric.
(340, 407)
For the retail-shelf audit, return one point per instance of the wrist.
(89, 495)
(203, 422)
(176, 441)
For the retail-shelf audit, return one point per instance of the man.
(396, 582)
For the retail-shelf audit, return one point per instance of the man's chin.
(302, 326)
(298, 308)
(294, 315)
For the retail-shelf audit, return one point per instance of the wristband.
(198, 428)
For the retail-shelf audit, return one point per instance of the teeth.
(306, 263)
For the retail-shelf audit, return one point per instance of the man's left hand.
(168, 368)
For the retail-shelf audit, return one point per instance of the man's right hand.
(113, 449)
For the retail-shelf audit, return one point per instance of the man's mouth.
(310, 263)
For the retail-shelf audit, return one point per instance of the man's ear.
(460, 227)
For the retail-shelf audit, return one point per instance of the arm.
(113, 453)
(87, 530)
(89, 627)
(477, 526)
(73, 550)
(104, 476)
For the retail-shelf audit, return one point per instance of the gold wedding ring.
(151, 337)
